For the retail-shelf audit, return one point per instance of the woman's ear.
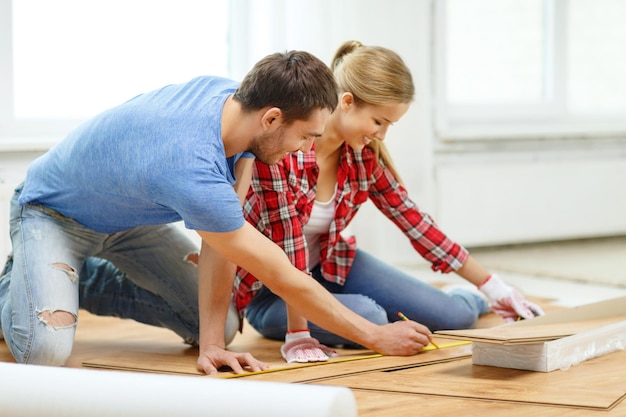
(346, 101)
(271, 117)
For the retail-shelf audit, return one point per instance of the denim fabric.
(377, 291)
(58, 264)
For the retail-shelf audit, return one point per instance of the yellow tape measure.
(339, 360)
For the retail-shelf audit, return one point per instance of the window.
(508, 68)
(66, 60)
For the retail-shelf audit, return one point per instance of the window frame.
(23, 134)
(549, 119)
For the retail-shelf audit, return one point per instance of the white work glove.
(301, 347)
(506, 301)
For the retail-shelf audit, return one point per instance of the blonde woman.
(305, 201)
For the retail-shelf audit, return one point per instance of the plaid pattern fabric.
(281, 198)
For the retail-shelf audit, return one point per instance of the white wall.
(480, 193)
(320, 27)
(514, 200)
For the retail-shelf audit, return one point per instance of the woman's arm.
(393, 200)
(444, 254)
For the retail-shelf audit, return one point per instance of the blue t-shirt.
(158, 158)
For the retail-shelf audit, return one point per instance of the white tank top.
(322, 214)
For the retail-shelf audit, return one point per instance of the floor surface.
(562, 275)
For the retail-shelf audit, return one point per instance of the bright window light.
(75, 58)
(530, 68)
(596, 57)
(494, 51)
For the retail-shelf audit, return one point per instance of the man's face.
(272, 146)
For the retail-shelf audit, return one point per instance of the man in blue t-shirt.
(92, 226)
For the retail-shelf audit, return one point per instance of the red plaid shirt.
(281, 198)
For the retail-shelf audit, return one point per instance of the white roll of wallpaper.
(31, 390)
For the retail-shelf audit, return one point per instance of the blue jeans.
(59, 265)
(376, 291)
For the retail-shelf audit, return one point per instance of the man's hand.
(507, 302)
(401, 338)
(214, 357)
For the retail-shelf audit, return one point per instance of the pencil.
(402, 316)
(405, 318)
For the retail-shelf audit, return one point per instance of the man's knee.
(53, 346)
(57, 319)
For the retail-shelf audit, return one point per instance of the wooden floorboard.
(604, 387)
(97, 337)
(387, 404)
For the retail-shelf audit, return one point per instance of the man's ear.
(272, 118)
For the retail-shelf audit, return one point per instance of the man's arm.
(215, 283)
(248, 248)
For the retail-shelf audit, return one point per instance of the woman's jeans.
(59, 265)
(377, 292)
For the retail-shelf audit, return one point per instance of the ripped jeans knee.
(57, 319)
(53, 338)
(41, 331)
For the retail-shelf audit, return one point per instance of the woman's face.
(362, 123)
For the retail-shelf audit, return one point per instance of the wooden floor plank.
(367, 365)
(184, 363)
(531, 334)
(597, 384)
(97, 336)
(388, 404)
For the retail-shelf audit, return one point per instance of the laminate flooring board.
(140, 361)
(365, 366)
(390, 404)
(598, 384)
(553, 355)
(184, 363)
(553, 325)
(125, 353)
(101, 336)
(530, 334)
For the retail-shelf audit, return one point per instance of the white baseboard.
(526, 201)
